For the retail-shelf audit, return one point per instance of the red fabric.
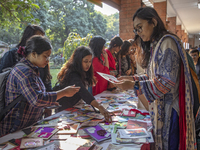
(101, 82)
(111, 60)
(182, 116)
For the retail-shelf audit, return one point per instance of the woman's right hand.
(68, 91)
(125, 78)
(71, 90)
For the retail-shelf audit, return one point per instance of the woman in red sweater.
(100, 63)
(114, 47)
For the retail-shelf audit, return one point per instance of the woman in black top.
(79, 71)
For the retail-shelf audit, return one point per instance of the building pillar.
(178, 31)
(161, 8)
(127, 10)
(171, 26)
(191, 40)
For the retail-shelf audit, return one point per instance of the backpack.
(3, 79)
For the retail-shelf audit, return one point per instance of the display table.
(104, 144)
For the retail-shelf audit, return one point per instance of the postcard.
(109, 78)
(72, 130)
(31, 142)
(50, 146)
(60, 137)
(128, 112)
(81, 118)
(73, 143)
(43, 132)
(121, 125)
(135, 124)
(95, 115)
(120, 147)
(81, 133)
(89, 123)
(98, 133)
(133, 133)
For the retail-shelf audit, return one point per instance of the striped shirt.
(25, 81)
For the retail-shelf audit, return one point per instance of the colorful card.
(133, 133)
(72, 130)
(120, 147)
(89, 123)
(81, 133)
(31, 142)
(78, 144)
(43, 132)
(95, 115)
(121, 125)
(50, 146)
(81, 118)
(135, 124)
(128, 112)
(98, 133)
(60, 137)
(109, 78)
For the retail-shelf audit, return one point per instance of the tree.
(73, 41)
(15, 12)
(112, 26)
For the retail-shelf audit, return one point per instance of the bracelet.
(136, 86)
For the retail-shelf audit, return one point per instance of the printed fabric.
(161, 88)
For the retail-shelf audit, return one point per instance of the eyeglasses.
(137, 30)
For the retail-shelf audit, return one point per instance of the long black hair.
(74, 64)
(115, 42)
(28, 32)
(96, 44)
(149, 13)
(124, 49)
(39, 44)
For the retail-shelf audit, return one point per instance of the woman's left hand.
(105, 113)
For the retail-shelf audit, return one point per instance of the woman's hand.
(68, 91)
(105, 113)
(128, 72)
(129, 78)
(105, 55)
(71, 90)
(125, 85)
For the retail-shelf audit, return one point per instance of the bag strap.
(12, 104)
(15, 101)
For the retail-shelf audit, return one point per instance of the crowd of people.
(170, 82)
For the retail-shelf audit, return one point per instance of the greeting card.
(31, 142)
(73, 143)
(71, 130)
(133, 133)
(128, 112)
(81, 118)
(43, 132)
(135, 124)
(89, 123)
(95, 115)
(109, 78)
(81, 133)
(98, 133)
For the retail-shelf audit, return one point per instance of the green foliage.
(73, 41)
(57, 17)
(16, 12)
(54, 73)
(112, 26)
